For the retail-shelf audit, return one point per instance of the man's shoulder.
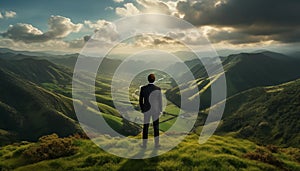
(156, 87)
(150, 86)
(143, 88)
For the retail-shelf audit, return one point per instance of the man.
(151, 105)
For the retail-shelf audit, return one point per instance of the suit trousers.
(155, 118)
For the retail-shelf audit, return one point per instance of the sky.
(228, 24)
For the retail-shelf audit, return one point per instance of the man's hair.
(151, 78)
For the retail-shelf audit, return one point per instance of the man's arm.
(141, 99)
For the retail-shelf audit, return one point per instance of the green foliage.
(50, 147)
(265, 156)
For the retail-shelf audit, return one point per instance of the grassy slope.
(252, 70)
(44, 97)
(219, 153)
(244, 71)
(267, 115)
(31, 111)
(38, 71)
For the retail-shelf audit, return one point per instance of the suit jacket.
(150, 99)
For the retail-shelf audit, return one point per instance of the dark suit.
(151, 105)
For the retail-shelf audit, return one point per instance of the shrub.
(265, 156)
(294, 152)
(297, 157)
(50, 147)
(272, 148)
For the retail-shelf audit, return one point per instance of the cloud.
(118, 1)
(109, 8)
(252, 20)
(24, 32)
(59, 27)
(77, 43)
(10, 14)
(148, 6)
(235, 12)
(189, 36)
(128, 10)
(155, 6)
(26, 36)
(153, 41)
(96, 25)
(104, 30)
(233, 36)
(57, 45)
(159, 6)
(71, 46)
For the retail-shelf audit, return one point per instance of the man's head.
(151, 78)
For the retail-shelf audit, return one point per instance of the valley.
(262, 109)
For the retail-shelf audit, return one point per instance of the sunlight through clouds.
(224, 22)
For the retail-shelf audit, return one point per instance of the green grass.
(266, 115)
(219, 153)
(61, 89)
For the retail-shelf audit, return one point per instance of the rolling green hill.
(246, 71)
(30, 111)
(243, 71)
(38, 71)
(266, 115)
(42, 72)
(36, 100)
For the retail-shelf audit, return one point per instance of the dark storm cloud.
(234, 37)
(236, 12)
(277, 19)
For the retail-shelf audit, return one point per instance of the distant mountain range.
(30, 53)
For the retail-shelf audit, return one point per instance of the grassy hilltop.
(219, 153)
